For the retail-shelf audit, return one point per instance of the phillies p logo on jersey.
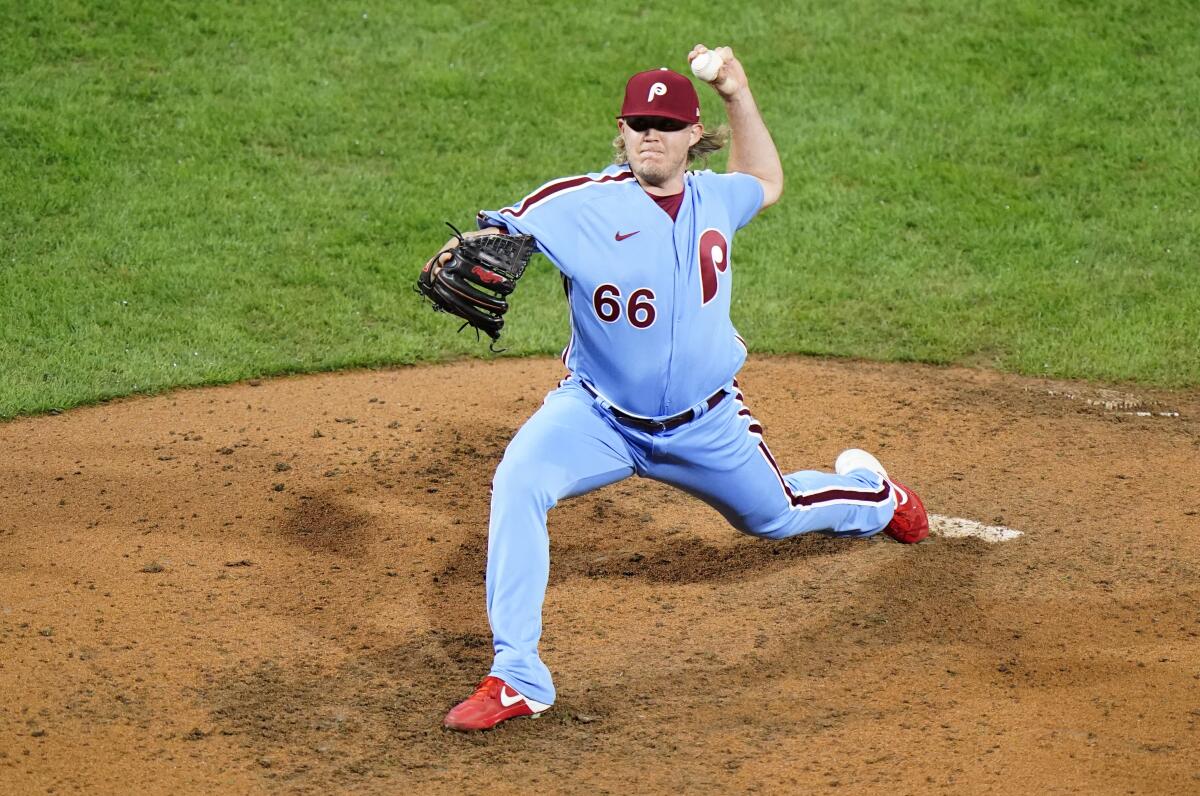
(713, 256)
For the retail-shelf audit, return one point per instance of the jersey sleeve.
(550, 215)
(545, 220)
(742, 194)
(548, 229)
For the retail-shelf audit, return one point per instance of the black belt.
(657, 426)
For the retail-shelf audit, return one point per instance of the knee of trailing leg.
(755, 521)
(775, 528)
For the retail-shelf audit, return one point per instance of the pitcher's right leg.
(567, 448)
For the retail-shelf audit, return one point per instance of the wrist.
(739, 98)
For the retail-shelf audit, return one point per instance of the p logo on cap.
(661, 92)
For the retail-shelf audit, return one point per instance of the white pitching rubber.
(959, 528)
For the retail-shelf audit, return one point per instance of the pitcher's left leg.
(722, 459)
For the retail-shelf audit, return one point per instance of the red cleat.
(494, 701)
(910, 523)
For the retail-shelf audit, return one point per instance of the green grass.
(197, 193)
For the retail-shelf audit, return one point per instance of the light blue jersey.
(650, 337)
(649, 297)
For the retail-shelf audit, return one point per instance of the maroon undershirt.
(669, 204)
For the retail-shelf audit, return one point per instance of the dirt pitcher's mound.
(278, 587)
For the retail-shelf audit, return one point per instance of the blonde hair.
(710, 141)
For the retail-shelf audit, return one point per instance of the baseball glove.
(475, 281)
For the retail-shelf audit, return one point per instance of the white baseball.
(706, 65)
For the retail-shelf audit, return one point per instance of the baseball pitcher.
(645, 248)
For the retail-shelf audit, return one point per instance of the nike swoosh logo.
(619, 237)
(508, 701)
(901, 498)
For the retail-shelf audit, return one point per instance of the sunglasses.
(641, 124)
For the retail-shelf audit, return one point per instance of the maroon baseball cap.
(661, 92)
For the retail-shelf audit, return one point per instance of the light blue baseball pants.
(573, 445)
